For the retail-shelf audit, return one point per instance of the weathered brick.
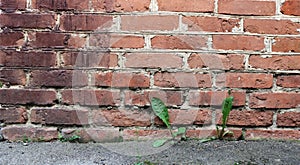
(247, 118)
(27, 96)
(266, 26)
(122, 79)
(249, 7)
(58, 116)
(81, 5)
(286, 44)
(237, 42)
(56, 40)
(13, 115)
(272, 134)
(216, 61)
(186, 5)
(121, 118)
(291, 7)
(244, 80)
(153, 60)
(182, 80)
(274, 100)
(170, 98)
(288, 119)
(27, 59)
(275, 62)
(11, 6)
(121, 5)
(11, 39)
(204, 133)
(58, 78)
(187, 117)
(193, 42)
(139, 134)
(98, 135)
(116, 41)
(13, 77)
(89, 59)
(27, 21)
(18, 133)
(210, 24)
(151, 22)
(199, 98)
(85, 22)
(91, 97)
(289, 81)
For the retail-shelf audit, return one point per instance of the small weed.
(26, 139)
(161, 111)
(226, 108)
(1, 84)
(73, 138)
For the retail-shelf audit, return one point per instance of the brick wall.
(90, 67)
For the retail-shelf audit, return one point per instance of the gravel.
(186, 152)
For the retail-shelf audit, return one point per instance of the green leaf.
(159, 143)
(226, 108)
(160, 110)
(227, 132)
(180, 131)
(207, 139)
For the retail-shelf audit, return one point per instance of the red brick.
(265, 26)
(13, 77)
(56, 40)
(11, 6)
(197, 98)
(153, 60)
(248, 7)
(85, 22)
(186, 5)
(149, 22)
(244, 80)
(89, 59)
(27, 21)
(98, 135)
(247, 118)
(58, 78)
(210, 24)
(273, 134)
(179, 42)
(291, 7)
(121, 5)
(27, 59)
(139, 134)
(26, 96)
(182, 80)
(237, 42)
(274, 100)
(288, 119)
(121, 118)
(91, 97)
(204, 133)
(286, 45)
(188, 117)
(47, 116)
(116, 41)
(13, 115)
(11, 39)
(170, 98)
(81, 5)
(216, 61)
(291, 81)
(18, 133)
(275, 62)
(122, 79)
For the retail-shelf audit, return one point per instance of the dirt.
(185, 152)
